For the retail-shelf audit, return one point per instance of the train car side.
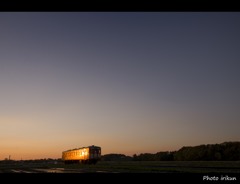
(86, 155)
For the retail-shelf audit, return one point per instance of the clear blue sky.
(130, 82)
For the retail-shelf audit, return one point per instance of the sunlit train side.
(86, 155)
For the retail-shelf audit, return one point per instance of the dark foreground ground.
(219, 167)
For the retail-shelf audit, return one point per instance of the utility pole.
(9, 157)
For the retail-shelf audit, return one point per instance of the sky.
(129, 82)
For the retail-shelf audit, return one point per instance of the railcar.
(85, 155)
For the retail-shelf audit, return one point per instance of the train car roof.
(82, 148)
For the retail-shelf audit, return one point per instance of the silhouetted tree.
(225, 151)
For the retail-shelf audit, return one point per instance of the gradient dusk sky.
(130, 82)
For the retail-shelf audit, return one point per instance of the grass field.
(161, 167)
(134, 167)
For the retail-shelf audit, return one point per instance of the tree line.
(227, 151)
